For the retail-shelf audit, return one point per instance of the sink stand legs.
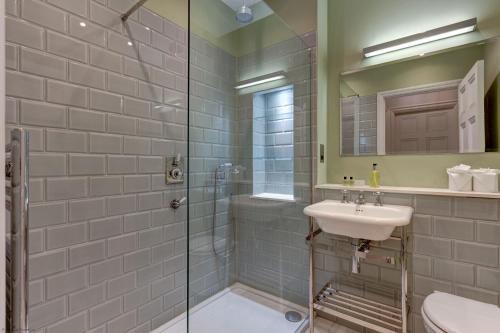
(354, 308)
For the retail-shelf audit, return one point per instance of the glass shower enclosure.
(169, 164)
(250, 169)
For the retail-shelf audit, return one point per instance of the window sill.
(274, 197)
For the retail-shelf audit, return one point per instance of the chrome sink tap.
(346, 196)
(378, 199)
(361, 200)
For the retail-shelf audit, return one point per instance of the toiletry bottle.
(375, 177)
(351, 181)
(346, 182)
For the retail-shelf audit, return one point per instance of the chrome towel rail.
(17, 204)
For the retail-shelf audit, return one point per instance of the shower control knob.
(174, 169)
(176, 173)
(176, 203)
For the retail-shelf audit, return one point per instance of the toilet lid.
(454, 314)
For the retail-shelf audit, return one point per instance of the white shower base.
(238, 309)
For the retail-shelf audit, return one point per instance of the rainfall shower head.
(244, 14)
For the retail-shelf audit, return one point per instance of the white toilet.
(445, 313)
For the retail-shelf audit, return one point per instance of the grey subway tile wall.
(362, 111)
(368, 124)
(107, 252)
(105, 248)
(279, 140)
(212, 140)
(272, 253)
(448, 252)
(348, 118)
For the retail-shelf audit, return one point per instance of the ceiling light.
(261, 79)
(448, 31)
(83, 24)
(129, 43)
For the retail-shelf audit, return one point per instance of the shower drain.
(293, 316)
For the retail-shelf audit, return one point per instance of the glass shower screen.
(250, 169)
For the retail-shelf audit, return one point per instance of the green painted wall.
(448, 66)
(371, 26)
(214, 21)
(208, 18)
(174, 10)
(335, 28)
(300, 15)
(322, 90)
(263, 33)
(406, 170)
(368, 23)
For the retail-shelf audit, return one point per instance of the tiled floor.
(324, 326)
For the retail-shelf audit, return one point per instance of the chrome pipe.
(133, 9)
(355, 266)
(404, 279)
(361, 249)
(311, 275)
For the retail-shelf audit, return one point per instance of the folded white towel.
(461, 168)
(460, 178)
(485, 180)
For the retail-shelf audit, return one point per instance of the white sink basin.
(359, 221)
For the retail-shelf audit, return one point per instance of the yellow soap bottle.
(375, 177)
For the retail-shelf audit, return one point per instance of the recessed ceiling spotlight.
(83, 24)
(147, 28)
(129, 43)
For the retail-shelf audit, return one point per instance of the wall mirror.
(431, 88)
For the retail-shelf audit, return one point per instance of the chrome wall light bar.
(261, 79)
(448, 31)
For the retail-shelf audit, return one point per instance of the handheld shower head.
(224, 169)
(237, 169)
(224, 166)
